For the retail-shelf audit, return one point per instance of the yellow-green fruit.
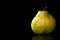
(43, 22)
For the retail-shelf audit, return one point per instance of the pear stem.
(45, 8)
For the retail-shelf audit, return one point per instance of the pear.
(43, 23)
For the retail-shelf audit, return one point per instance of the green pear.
(43, 23)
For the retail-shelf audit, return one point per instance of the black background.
(20, 14)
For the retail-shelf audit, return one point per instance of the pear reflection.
(42, 38)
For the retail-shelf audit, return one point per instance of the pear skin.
(43, 22)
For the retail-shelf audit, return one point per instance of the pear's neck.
(42, 13)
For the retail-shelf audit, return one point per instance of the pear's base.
(43, 32)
